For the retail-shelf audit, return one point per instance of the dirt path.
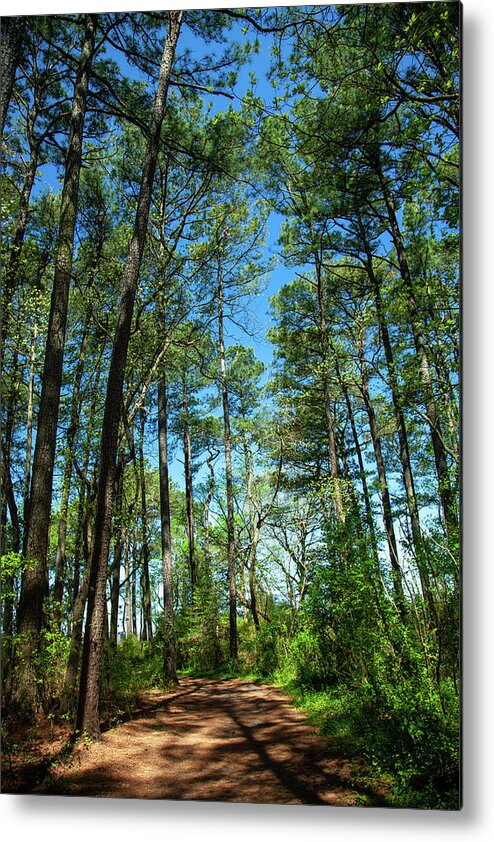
(214, 740)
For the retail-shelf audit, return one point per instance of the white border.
(74, 819)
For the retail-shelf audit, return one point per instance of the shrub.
(267, 642)
(310, 657)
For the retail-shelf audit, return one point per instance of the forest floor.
(207, 740)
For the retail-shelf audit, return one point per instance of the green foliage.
(406, 731)
(309, 659)
(128, 669)
(11, 566)
(370, 688)
(268, 648)
(202, 629)
(415, 734)
(50, 664)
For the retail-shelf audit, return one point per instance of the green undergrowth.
(128, 670)
(399, 728)
(415, 753)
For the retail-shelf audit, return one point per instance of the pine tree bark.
(35, 580)
(405, 460)
(169, 657)
(117, 557)
(330, 427)
(230, 524)
(58, 586)
(440, 458)
(396, 572)
(147, 623)
(88, 708)
(189, 491)
(11, 36)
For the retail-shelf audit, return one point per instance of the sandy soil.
(211, 740)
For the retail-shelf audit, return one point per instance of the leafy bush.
(128, 670)
(50, 664)
(310, 660)
(267, 642)
(413, 729)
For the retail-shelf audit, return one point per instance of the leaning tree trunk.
(396, 572)
(68, 698)
(83, 545)
(169, 658)
(405, 460)
(362, 473)
(440, 459)
(35, 579)
(88, 708)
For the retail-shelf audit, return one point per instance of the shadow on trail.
(215, 740)
(276, 727)
(144, 710)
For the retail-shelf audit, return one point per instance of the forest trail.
(211, 740)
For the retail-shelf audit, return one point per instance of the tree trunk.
(12, 267)
(69, 692)
(83, 546)
(396, 573)
(207, 504)
(330, 427)
(147, 624)
(88, 709)
(11, 36)
(169, 658)
(229, 476)
(362, 473)
(133, 591)
(128, 590)
(117, 558)
(403, 443)
(449, 516)
(34, 582)
(7, 498)
(189, 493)
(58, 586)
(29, 425)
(254, 536)
(83, 539)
